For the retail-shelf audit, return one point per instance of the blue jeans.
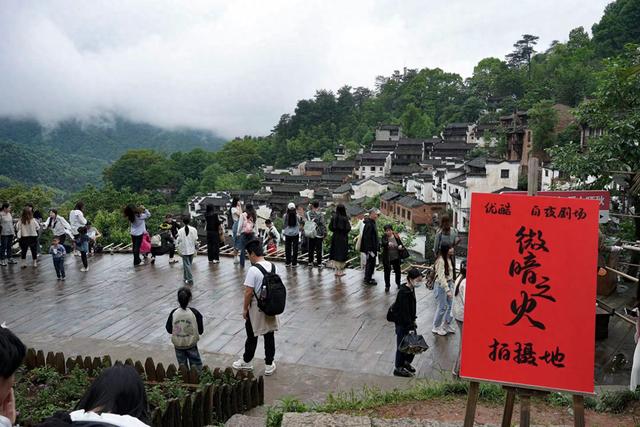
(187, 260)
(58, 264)
(234, 234)
(5, 246)
(443, 310)
(243, 239)
(189, 357)
(402, 358)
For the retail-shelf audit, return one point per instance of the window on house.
(546, 173)
(373, 168)
(409, 215)
(504, 173)
(394, 132)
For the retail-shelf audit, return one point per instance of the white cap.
(291, 206)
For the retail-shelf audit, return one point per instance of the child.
(93, 235)
(82, 245)
(145, 246)
(272, 238)
(58, 252)
(185, 326)
(12, 352)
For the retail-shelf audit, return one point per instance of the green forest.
(597, 75)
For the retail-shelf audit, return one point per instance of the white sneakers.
(444, 329)
(439, 331)
(240, 364)
(270, 369)
(35, 263)
(84, 270)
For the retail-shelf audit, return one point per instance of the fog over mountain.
(235, 67)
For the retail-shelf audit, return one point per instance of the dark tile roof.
(388, 127)
(405, 169)
(410, 202)
(332, 177)
(504, 189)
(344, 188)
(478, 162)
(376, 179)
(343, 164)
(458, 180)
(390, 195)
(457, 125)
(453, 145)
(354, 210)
(374, 156)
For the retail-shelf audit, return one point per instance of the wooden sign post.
(530, 299)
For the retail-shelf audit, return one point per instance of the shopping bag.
(413, 343)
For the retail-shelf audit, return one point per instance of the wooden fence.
(203, 406)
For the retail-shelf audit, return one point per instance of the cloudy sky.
(235, 66)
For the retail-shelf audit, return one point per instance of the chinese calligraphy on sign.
(530, 299)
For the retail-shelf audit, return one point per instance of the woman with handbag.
(443, 292)
(404, 316)
(393, 252)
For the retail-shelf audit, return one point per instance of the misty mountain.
(73, 153)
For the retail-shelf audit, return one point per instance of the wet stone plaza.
(330, 324)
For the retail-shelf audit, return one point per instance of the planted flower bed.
(178, 397)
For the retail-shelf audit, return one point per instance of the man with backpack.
(315, 230)
(264, 299)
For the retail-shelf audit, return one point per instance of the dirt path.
(452, 410)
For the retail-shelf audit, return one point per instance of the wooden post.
(472, 402)
(578, 411)
(525, 408)
(532, 176)
(508, 406)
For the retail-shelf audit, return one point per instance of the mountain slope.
(73, 154)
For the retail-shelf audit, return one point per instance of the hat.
(165, 226)
(291, 206)
(414, 273)
(374, 211)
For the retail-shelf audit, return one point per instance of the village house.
(373, 165)
(457, 132)
(450, 150)
(409, 210)
(483, 134)
(421, 186)
(369, 187)
(389, 133)
(342, 194)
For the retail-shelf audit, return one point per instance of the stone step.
(240, 420)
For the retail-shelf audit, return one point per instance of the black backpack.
(391, 315)
(272, 297)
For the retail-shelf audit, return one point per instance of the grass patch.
(371, 398)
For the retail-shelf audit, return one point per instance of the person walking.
(315, 230)
(28, 237)
(339, 249)
(457, 310)
(7, 234)
(446, 235)
(256, 322)
(405, 315)
(164, 244)
(58, 226)
(137, 217)
(370, 245)
(77, 220)
(443, 292)
(291, 234)
(82, 244)
(58, 252)
(214, 228)
(246, 230)
(392, 248)
(186, 243)
(235, 211)
(185, 326)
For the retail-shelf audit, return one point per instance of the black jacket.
(339, 250)
(213, 222)
(385, 248)
(405, 307)
(370, 242)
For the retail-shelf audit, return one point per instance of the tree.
(416, 124)
(19, 195)
(523, 52)
(617, 27)
(542, 121)
(139, 170)
(615, 108)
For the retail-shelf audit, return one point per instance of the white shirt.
(186, 244)
(76, 220)
(4, 422)
(235, 214)
(59, 225)
(457, 310)
(254, 275)
(6, 222)
(114, 419)
(138, 226)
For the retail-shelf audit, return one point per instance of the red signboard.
(531, 292)
(602, 196)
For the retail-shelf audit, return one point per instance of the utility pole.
(532, 176)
